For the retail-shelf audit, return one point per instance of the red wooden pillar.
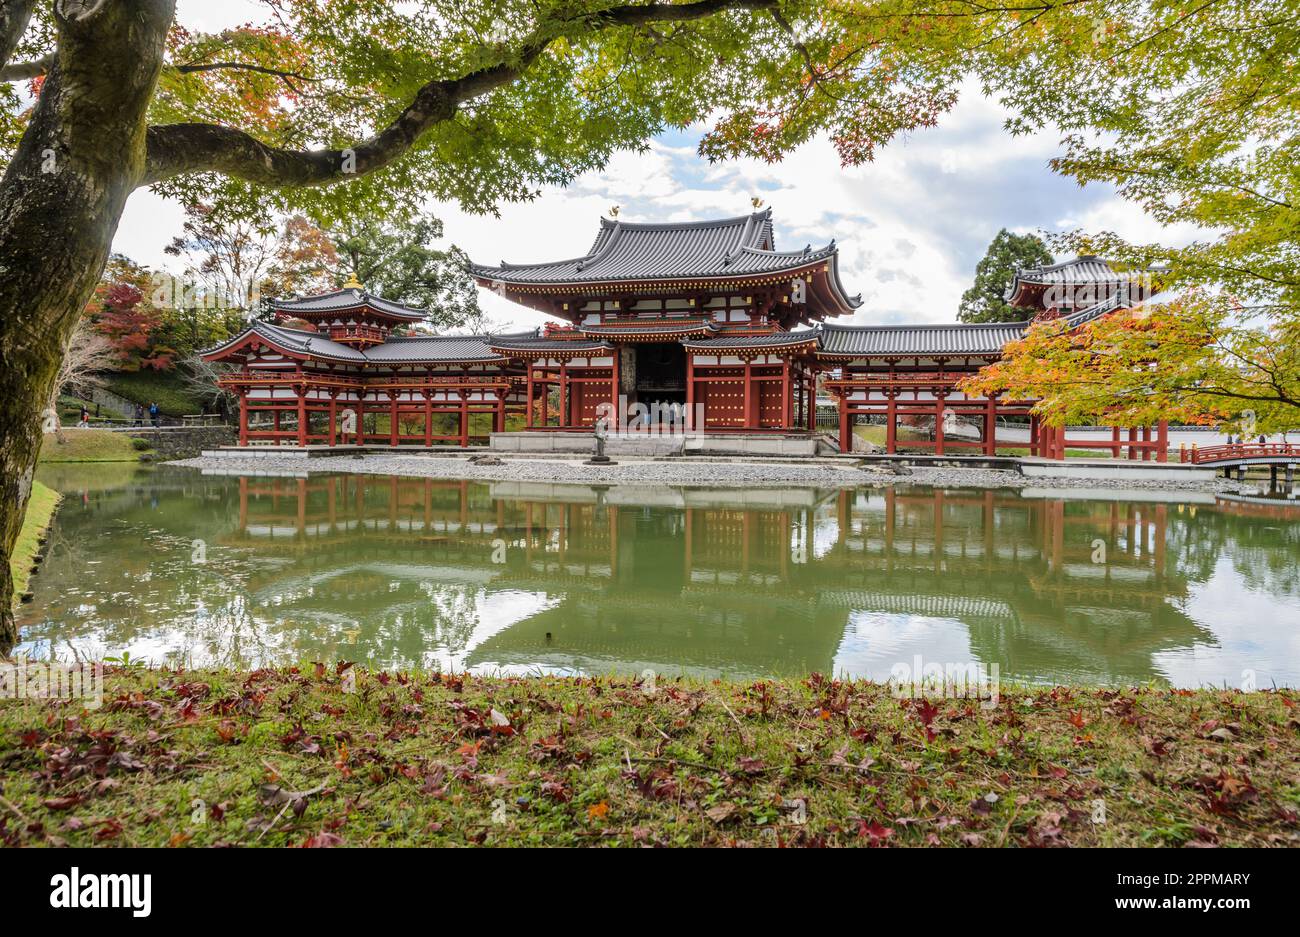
(1162, 441)
(565, 416)
(796, 398)
(1060, 443)
(392, 419)
(1146, 438)
(464, 419)
(690, 392)
(787, 396)
(891, 424)
(243, 417)
(938, 426)
(428, 418)
(1114, 442)
(616, 411)
(991, 426)
(528, 397)
(499, 415)
(334, 404)
(1034, 430)
(749, 393)
(846, 434)
(302, 415)
(1132, 438)
(810, 400)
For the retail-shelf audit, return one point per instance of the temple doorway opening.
(661, 378)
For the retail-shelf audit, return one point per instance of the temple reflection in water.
(529, 576)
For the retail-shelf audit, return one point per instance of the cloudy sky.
(911, 226)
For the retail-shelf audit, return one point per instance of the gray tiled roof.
(649, 326)
(295, 340)
(348, 299)
(422, 348)
(833, 341)
(732, 247)
(1076, 274)
(535, 345)
(400, 349)
(725, 342)
(955, 339)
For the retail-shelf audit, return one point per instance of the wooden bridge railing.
(1249, 450)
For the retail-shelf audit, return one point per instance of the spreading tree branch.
(240, 66)
(174, 149)
(21, 71)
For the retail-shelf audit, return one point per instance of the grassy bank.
(89, 445)
(40, 511)
(165, 388)
(282, 757)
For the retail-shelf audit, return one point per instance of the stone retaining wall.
(184, 442)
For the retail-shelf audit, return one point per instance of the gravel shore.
(721, 474)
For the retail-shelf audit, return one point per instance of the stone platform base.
(286, 452)
(649, 444)
(1111, 469)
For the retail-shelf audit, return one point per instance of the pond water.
(177, 567)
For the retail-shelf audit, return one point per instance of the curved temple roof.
(958, 338)
(697, 250)
(414, 349)
(1076, 284)
(531, 347)
(955, 339)
(830, 341)
(774, 340)
(347, 298)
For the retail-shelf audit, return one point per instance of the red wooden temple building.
(702, 325)
(705, 319)
(330, 361)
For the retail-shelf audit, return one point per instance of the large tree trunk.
(60, 202)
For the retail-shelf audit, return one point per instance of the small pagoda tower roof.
(1074, 284)
(686, 255)
(351, 296)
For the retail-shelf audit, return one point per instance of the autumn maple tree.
(334, 109)
(1190, 362)
(122, 310)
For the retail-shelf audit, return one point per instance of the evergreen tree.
(1007, 253)
(398, 259)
